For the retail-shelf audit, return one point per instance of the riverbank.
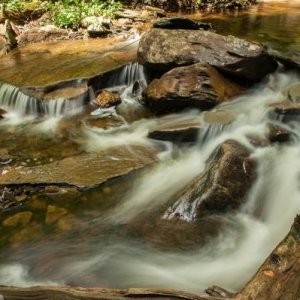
(23, 26)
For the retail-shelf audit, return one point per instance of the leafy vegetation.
(65, 13)
(70, 13)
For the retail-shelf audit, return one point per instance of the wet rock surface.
(163, 49)
(179, 133)
(197, 86)
(285, 111)
(64, 60)
(290, 62)
(107, 99)
(83, 171)
(279, 134)
(222, 187)
(196, 215)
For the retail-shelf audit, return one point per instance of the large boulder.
(222, 187)
(162, 50)
(197, 86)
(196, 215)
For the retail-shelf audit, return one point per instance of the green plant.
(69, 13)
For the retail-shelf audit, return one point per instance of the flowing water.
(95, 238)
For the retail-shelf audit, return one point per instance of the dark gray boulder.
(162, 50)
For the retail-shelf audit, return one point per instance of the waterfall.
(12, 98)
(127, 75)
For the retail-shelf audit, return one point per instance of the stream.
(97, 235)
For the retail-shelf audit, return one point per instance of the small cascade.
(119, 78)
(127, 75)
(12, 98)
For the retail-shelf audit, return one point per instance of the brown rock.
(222, 187)
(107, 99)
(194, 217)
(162, 49)
(85, 170)
(186, 132)
(196, 86)
(54, 213)
(22, 218)
(286, 108)
(46, 33)
(69, 292)
(278, 134)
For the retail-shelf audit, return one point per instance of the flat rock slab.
(66, 292)
(185, 132)
(163, 49)
(47, 63)
(83, 171)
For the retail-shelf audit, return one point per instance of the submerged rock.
(107, 99)
(22, 218)
(195, 86)
(54, 213)
(162, 50)
(84, 170)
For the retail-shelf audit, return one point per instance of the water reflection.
(273, 22)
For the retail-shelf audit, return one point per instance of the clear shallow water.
(274, 22)
(96, 240)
